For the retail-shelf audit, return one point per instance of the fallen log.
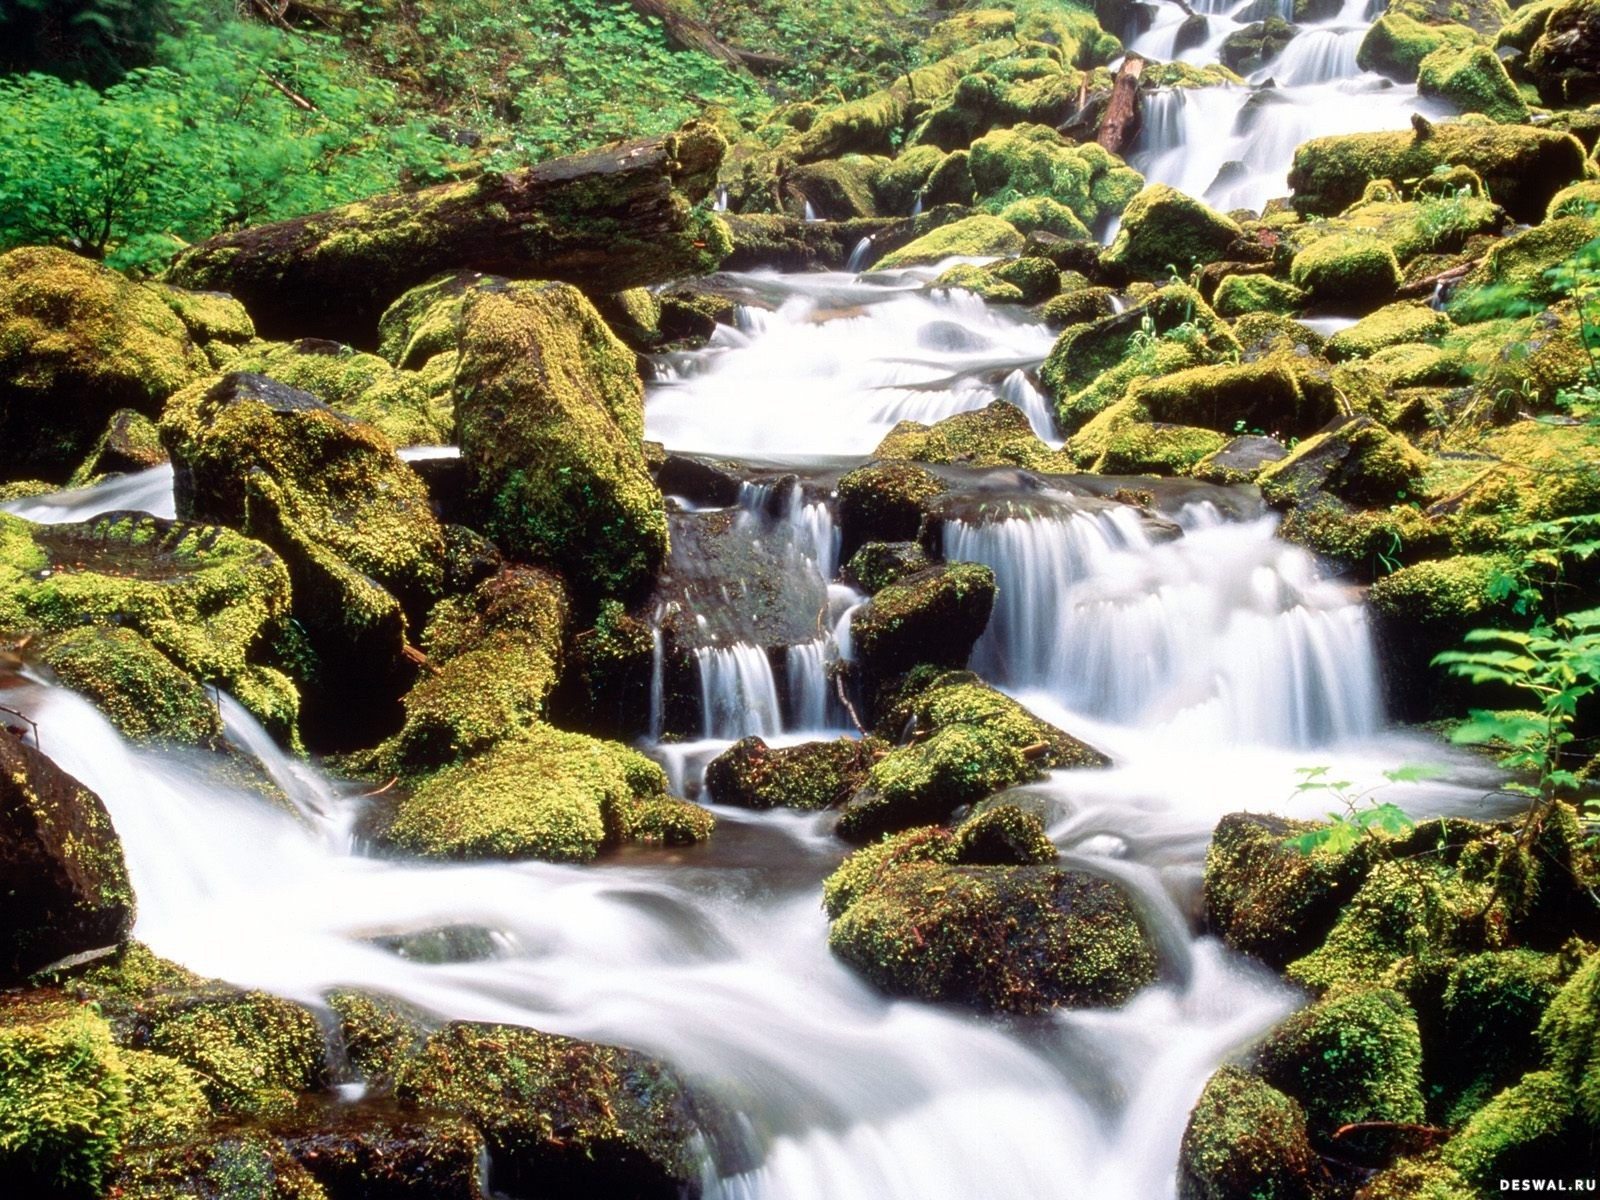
(1120, 124)
(607, 220)
(689, 33)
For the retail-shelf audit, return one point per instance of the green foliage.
(1557, 666)
(1544, 550)
(92, 40)
(1362, 816)
(233, 125)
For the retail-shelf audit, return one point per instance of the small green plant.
(1557, 667)
(1359, 814)
(1537, 576)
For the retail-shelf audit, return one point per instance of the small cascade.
(738, 694)
(916, 206)
(1316, 56)
(811, 214)
(658, 683)
(143, 491)
(858, 257)
(1223, 634)
(1018, 390)
(721, 204)
(810, 696)
(309, 792)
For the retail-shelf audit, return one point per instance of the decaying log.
(689, 33)
(607, 220)
(1120, 125)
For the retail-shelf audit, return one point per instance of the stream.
(1211, 661)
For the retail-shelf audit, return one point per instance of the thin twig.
(22, 716)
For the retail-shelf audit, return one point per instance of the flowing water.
(1209, 660)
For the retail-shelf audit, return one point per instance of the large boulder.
(351, 521)
(1358, 462)
(208, 599)
(146, 696)
(1396, 44)
(550, 418)
(998, 435)
(1564, 63)
(562, 1117)
(67, 889)
(1522, 167)
(1247, 1141)
(813, 775)
(1346, 271)
(77, 343)
(978, 236)
(1473, 79)
(935, 616)
(1164, 231)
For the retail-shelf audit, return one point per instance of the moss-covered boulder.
(839, 189)
(981, 917)
(1520, 166)
(1237, 295)
(935, 616)
(67, 886)
(981, 282)
(544, 794)
(370, 1149)
(1392, 325)
(1359, 462)
(363, 386)
(1349, 1059)
(561, 1116)
(131, 442)
(495, 656)
(1528, 1131)
(351, 521)
(1474, 80)
(217, 322)
(1254, 46)
(885, 502)
(550, 418)
(206, 597)
(1240, 460)
(978, 236)
(998, 435)
(961, 742)
(813, 775)
(1564, 63)
(64, 1103)
(1248, 1141)
(606, 688)
(1346, 272)
(1035, 161)
(217, 1167)
(1515, 277)
(1164, 230)
(77, 343)
(139, 688)
(1568, 1033)
(1266, 394)
(1396, 44)
(878, 564)
(1128, 444)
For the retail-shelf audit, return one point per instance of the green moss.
(425, 321)
(1036, 278)
(608, 1120)
(980, 281)
(1351, 1058)
(1078, 306)
(1579, 200)
(899, 182)
(1392, 325)
(1002, 835)
(814, 775)
(361, 386)
(1031, 160)
(237, 1164)
(1473, 79)
(166, 1100)
(839, 189)
(78, 342)
(1265, 394)
(131, 442)
(1521, 167)
(977, 236)
(885, 502)
(878, 564)
(1346, 270)
(134, 684)
(1396, 44)
(1138, 447)
(934, 616)
(203, 596)
(1570, 1033)
(1560, 68)
(378, 1033)
(1034, 214)
(1446, 590)
(550, 415)
(870, 867)
(998, 435)
(1240, 294)
(1247, 1139)
(1164, 230)
(1514, 277)
(64, 1105)
(1520, 1133)
(1492, 1005)
(1359, 462)
(543, 794)
(1413, 1179)
(257, 1054)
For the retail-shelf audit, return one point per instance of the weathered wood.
(608, 220)
(687, 32)
(1120, 124)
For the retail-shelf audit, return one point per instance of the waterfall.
(738, 694)
(810, 696)
(858, 256)
(1315, 56)
(1018, 390)
(658, 686)
(1223, 633)
(143, 491)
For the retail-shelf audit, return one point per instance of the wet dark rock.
(812, 775)
(1247, 1139)
(372, 1151)
(934, 616)
(878, 564)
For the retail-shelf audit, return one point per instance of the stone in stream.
(935, 616)
(980, 917)
(1164, 230)
(145, 695)
(1246, 1139)
(813, 775)
(66, 886)
(997, 435)
(131, 442)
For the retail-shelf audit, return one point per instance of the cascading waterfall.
(738, 693)
(810, 697)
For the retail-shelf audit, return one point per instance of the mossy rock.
(64, 1103)
(1078, 306)
(1562, 61)
(1527, 1131)
(1359, 462)
(1481, 16)
(1254, 46)
(223, 1166)
(981, 282)
(1348, 272)
(997, 435)
(899, 183)
(1352, 1058)
(371, 1148)
(1164, 230)
(1267, 899)
(1237, 295)
(1472, 79)
(361, 386)
(1396, 44)
(1035, 214)
(1030, 160)
(1240, 460)
(1514, 277)
(495, 657)
(1226, 397)
(1579, 200)
(1139, 447)
(967, 741)
(878, 564)
(543, 794)
(1521, 167)
(146, 697)
(166, 1100)
(131, 442)
(839, 189)
(885, 502)
(813, 775)
(1568, 1032)
(425, 321)
(606, 688)
(1417, 1179)
(550, 417)
(559, 1115)
(1392, 325)
(256, 1054)
(1248, 1141)
(217, 322)
(378, 1033)
(77, 343)
(935, 616)
(978, 236)
(1035, 277)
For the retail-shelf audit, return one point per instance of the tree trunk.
(688, 33)
(1120, 125)
(607, 220)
